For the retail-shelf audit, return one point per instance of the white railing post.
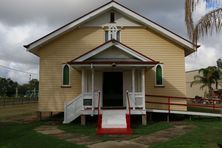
(83, 84)
(143, 88)
(99, 100)
(65, 113)
(133, 88)
(93, 101)
(127, 103)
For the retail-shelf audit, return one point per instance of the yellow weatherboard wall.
(81, 40)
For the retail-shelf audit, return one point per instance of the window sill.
(159, 86)
(66, 86)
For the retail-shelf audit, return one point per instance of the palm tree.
(207, 77)
(209, 23)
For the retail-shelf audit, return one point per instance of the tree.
(33, 84)
(207, 77)
(219, 63)
(29, 88)
(7, 87)
(207, 24)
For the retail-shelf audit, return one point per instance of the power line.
(17, 70)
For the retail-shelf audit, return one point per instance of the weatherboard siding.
(52, 56)
(172, 58)
(81, 40)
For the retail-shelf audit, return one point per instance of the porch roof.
(113, 53)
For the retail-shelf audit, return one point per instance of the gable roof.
(119, 7)
(83, 59)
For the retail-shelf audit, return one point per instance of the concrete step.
(114, 119)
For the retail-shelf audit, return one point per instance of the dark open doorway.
(112, 89)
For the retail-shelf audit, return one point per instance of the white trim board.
(111, 65)
(112, 5)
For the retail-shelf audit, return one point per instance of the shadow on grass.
(22, 135)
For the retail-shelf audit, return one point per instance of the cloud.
(27, 20)
(209, 51)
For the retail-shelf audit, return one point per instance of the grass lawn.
(206, 110)
(206, 134)
(17, 110)
(23, 136)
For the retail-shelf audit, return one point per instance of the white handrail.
(128, 101)
(72, 109)
(138, 97)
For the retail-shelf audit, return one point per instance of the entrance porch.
(115, 87)
(112, 86)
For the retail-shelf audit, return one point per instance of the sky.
(23, 21)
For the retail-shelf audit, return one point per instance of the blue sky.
(212, 4)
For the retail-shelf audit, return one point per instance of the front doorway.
(112, 89)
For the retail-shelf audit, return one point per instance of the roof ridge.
(169, 34)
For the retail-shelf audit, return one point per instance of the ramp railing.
(168, 102)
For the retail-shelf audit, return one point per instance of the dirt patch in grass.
(179, 129)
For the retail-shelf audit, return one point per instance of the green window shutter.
(66, 75)
(159, 77)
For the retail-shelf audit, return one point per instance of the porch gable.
(112, 51)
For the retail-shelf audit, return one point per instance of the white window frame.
(110, 33)
(162, 67)
(70, 69)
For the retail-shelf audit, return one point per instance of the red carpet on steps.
(114, 131)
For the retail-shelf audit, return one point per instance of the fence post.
(213, 105)
(4, 101)
(168, 116)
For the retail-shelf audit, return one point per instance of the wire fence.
(4, 101)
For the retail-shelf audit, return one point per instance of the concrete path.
(139, 142)
(163, 135)
(118, 144)
(72, 138)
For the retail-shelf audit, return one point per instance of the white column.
(83, 82)
(93, 101)
(133, 88)
(143, 87)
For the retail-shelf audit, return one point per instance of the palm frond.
(202, 86)
(209, 23)
(195, 82)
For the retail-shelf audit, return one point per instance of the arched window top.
(159, 75)
(112, 33)
(66, 74)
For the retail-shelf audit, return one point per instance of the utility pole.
(30, 77)
(16, 92)
(34, 91)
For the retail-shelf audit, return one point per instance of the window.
(106, 36)
(112, 17)
(112, 33)
(66, 75)
(159, 75)
(118, 36)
